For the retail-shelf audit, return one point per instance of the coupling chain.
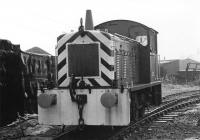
(81, 120)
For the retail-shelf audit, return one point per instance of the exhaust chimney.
(89, 21)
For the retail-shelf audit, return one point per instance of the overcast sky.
(38, 22)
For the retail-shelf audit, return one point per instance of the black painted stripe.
(106, 78)
(103, 47)
(71, 39)
(107, 50)
(108, 66)
(62, 79)
(91, 36)
(61, 64)
(94, 82)
(59, 37)
(61, 49)
(106, 35)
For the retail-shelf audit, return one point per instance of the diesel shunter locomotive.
(106, 75)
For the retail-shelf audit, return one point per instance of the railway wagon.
(106, 76)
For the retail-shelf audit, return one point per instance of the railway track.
(158, 113)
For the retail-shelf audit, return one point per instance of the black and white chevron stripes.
(106, 54)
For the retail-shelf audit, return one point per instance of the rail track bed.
(181, 124)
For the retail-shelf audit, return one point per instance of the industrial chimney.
(89, 21)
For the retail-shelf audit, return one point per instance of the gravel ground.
(30, 127)
(184, 127)
(168, 89)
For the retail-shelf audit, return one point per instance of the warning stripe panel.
(106, 59)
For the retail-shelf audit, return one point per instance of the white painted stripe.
(107, 72)
(102, 38)
(88, 82)
(101, 82)
(62, 56)
(110, 60)
(82, 40)
(67, 81)
(64, 39)
(62, 71)
(64, 83)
